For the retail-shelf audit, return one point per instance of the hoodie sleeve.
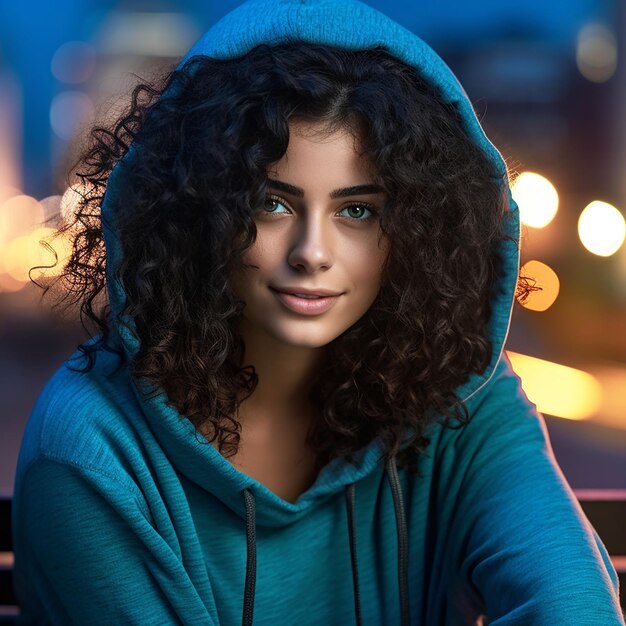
(528, 549)
(85, 553)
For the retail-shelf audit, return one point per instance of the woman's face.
(314, 233)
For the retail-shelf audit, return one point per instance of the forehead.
(319, 153)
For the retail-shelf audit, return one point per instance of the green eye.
(272, 199)
(360, 208)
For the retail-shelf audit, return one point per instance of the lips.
(305, 306)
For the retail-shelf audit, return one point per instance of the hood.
(332, 22)
(328, 22)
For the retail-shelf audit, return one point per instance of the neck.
(285, 374)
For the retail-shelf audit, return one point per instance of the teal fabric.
(123, 514)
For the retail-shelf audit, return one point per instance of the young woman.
(310, 256)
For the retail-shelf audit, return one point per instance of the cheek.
(263, 252)
(366, 270)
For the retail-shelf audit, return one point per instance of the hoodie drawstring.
(403, 543)
(248, 598)
(398, 507)
(350, 491)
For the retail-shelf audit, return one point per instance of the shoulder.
(502, 401)
(84, 420)
(501, 417)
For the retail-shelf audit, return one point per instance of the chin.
(312, 343)
(299, 339)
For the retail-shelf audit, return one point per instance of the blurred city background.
(548, 82)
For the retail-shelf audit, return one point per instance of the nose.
(311, 249)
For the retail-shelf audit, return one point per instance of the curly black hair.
(206, 133)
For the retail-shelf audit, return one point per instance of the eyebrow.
(337, 193)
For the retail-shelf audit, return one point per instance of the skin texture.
(313, 241)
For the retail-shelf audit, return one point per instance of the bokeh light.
(537, 199)
(556, 389)
(23, 252)
(546, 278)
(19, 215)
(69, 111)
(73, 62)
(7, 191)
(27, 251)
(601, 228)
(8, 284)
(612, 377)
(596, 52)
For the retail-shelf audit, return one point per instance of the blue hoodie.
(123, 515)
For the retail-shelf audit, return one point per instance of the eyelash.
(367, 205)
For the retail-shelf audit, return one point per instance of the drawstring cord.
(350, 491)
(403, 543)
(398, 507)
(248, 598)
